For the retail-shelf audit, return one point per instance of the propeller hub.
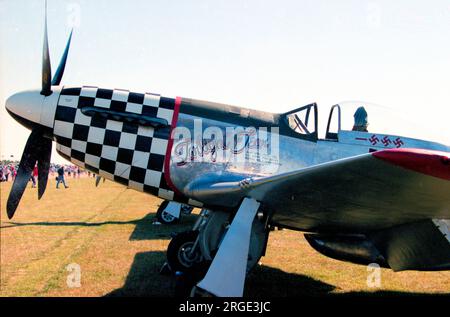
(26, 105)
(31, 108)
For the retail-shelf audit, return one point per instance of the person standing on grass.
(34, 175)
(7, 172)
(13, 173)
(61, 177)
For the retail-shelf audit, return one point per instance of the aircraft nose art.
(120, 135)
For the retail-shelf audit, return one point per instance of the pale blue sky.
(268, 55)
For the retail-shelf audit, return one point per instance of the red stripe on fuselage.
(433, 163)
(169, 182)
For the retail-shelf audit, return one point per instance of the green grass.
(108, 231)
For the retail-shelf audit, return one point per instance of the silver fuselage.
(144, 158)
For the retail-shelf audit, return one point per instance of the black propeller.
(62, 63)
(38, 147)
(29, 157)
(44, 152)
(46, 66)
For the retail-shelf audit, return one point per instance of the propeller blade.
(26, 165)
(62, 64)
(44, 154)
(46, 67)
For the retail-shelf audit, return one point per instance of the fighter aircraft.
(361, 194)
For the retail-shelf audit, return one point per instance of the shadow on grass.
(266, 281)
(144, 280)
(68, 224)
(144, 224)
(144, 229)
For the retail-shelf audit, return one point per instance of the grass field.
(108, 232)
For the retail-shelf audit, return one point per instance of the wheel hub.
(167, 217)
(187, 256)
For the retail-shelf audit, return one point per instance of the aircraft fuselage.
(125, 137)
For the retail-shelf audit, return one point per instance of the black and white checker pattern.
(130, 154)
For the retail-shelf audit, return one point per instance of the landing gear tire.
(163, 216)
(180, 254)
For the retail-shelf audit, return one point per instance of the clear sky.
(268, 55)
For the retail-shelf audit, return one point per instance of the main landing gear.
(215, 256)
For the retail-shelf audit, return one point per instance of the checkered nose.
(118, 134)
(26, 105)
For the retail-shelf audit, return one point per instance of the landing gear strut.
(191, 253)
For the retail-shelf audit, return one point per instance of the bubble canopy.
(373, 118)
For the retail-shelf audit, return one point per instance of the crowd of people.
(8, 172)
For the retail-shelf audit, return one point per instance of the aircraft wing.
(397, 198)
(363, 193)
